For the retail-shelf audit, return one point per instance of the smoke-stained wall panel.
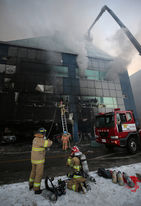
(99, 93)
(40, 56)
(59, 81)
(112, 93)
(3, 50)
(83, 83)
(12, 51)
(67, 82)
(111, 85)
(90, 84)
(83, 91)
(22, 52)
(54, 58)
(59, 90)
(118, 87)
(91, 92)
(98, 84)
(31, 54)
(120, 101)
(106, 93)
(69, 59)
(104, 85)
(119, 93)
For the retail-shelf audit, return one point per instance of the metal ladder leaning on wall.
(63, 117)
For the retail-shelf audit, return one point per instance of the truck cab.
(117, 128)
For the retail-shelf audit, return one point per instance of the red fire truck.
(118, 128)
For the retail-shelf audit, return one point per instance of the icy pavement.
(103, 193)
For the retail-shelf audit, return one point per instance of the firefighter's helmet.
(75, 151)
(42, 131)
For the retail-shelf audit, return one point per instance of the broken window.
(44, 88)
(10, 69)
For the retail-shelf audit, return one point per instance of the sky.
(32, 18)
(104, 192)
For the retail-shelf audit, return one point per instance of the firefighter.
(62, 107)
(37, 159)
(65, 140)
(77, 182)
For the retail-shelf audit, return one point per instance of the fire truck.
(118, 128)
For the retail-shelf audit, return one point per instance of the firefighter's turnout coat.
(66, 141)
(37, 159)
(74, 163)
(77, 178)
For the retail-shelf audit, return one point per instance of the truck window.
(119, 122)
(100, 121)
(105, 121)
(118, 118)
(128, 116)
(123, 117)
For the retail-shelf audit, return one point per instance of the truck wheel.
(132, 145)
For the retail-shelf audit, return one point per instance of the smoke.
(135, 63)
(123, 47)
(118, 65)
(63, 23)
(82, 62)
(118, 45)
(75, 44)
(124, 53)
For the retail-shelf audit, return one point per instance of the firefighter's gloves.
(50, 142)
(69, 175)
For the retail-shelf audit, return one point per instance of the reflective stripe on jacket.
(77, 167)
(76, 176)
(74, 187)
(36, 184)
(38, 150)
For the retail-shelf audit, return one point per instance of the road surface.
(15, 166)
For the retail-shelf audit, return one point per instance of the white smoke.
(124, 52)
(62, 22)
(118, 65)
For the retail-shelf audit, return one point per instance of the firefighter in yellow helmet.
(77, 181)
(37, 159)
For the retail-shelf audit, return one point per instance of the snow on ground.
(103, 193)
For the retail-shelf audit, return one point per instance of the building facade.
(33, 81)
(136, 85)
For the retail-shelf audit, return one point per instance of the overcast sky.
(31, 18)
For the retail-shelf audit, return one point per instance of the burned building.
(34, 79)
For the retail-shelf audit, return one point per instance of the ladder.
(63, 117)
(64, 122)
